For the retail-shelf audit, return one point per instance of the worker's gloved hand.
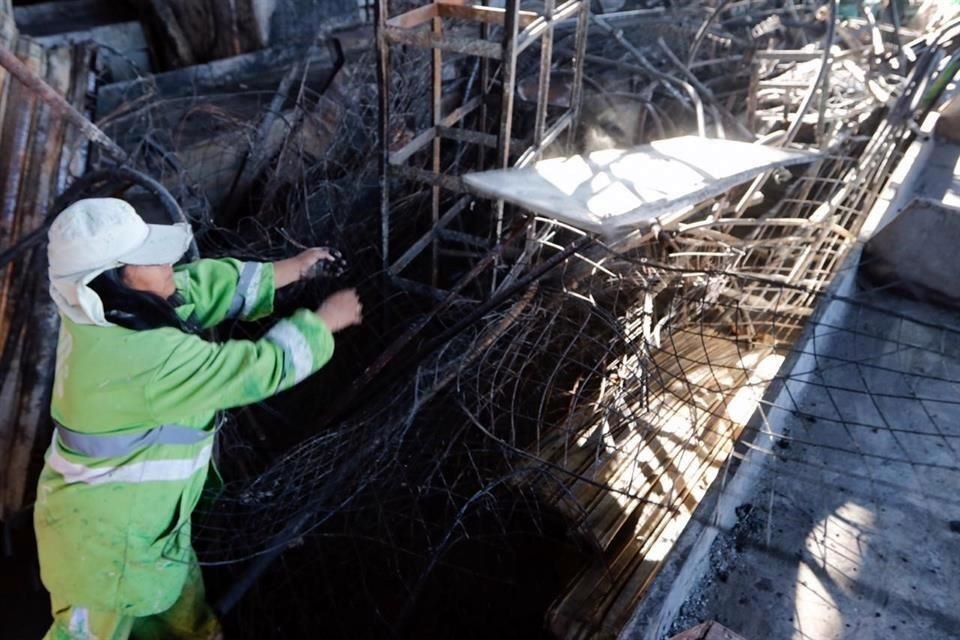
(307, 261)
(311, 263)
(332, 265)
(341, 310)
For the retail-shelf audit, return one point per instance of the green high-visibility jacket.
(113, 531)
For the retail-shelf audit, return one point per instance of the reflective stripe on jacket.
(135, 411)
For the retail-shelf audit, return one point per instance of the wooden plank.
(33, 419)
(64, 109)
(54, 151)
(45, 157)
(481, 14)
(615, 189)
(418, 246)
(169, 41)
(602, 598)
(414, 17)
(8, 39)
(198, 31)
(22, 133)
(687, 434)
(593, 599)
(462, 111)
(585, 461)
(425, 290)
(454, 44)
(457, 11)
(76, 147)
(18, 131)
(40, 338)
(639, 447)
(634, 567)
(465, 238)
(418, 143)
(9, 406)
(467, 135)
(36, 118)
(451, 183)
(790, 55)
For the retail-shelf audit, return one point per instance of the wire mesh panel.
(498, 455)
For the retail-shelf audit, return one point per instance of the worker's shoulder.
(119, 347)
(110, 366)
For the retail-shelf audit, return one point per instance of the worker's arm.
(225, 288)
(230, 289)
(201, 376)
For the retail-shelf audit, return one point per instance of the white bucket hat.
(97, 234)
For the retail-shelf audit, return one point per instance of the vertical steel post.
(576, 94)
(508, 77)
(543, 86)
(436, 27)
(484, 91)
(383, 78)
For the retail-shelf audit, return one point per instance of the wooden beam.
(428, 40)
(481, 14)
(417, 247)
(457, 11)
(451, 183)
(462, 112)
(204, 30)
(414, 17)
(418, 143)
(467, 135)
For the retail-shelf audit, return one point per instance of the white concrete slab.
(627, 188)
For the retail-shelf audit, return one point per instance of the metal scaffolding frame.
(419, 160)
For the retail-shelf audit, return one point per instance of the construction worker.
(135, 395)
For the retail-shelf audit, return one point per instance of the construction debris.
(576, 305)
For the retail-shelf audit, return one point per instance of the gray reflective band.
(298, 356)
(112, 445)
(238, 303)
